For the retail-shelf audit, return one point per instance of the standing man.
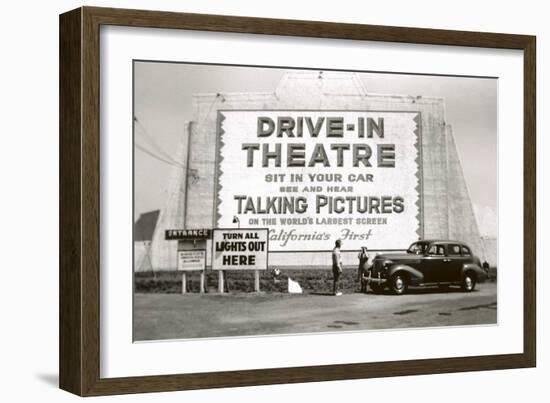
(363, 257)
(336, 267)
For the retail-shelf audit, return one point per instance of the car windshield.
(418, 248)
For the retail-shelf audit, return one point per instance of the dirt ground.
(171, 316)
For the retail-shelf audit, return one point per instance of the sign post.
(220, 281)
(202, 284)
(256, 280)
(191, 252)
(191, 260)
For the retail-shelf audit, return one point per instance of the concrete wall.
(462, 220)
(142, 256)
(172, 216)
(490, 250)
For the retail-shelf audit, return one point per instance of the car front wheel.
(398, 284)
(468, 282)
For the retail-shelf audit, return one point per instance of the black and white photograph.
(273, 201)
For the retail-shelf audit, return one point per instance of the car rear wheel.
(399, 283)
(468, 282)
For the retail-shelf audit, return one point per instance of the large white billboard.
(312, 177)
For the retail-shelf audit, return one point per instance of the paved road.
(169, 316)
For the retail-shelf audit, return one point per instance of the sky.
(162, 105)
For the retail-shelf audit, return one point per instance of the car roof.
(442, 241)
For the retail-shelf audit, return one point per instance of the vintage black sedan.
(426, 263)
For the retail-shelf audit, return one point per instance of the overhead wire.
(159, 154)
(155, 156)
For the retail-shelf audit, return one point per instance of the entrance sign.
(313, 177)
(187, 234)
(189, 260)
(240, 249)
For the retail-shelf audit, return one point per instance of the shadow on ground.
(49, 379)
(427, 290)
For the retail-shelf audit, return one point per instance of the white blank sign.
(189, 260)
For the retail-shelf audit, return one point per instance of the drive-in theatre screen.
(313, 177)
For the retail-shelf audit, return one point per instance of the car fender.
(480, 273)
(415, 275)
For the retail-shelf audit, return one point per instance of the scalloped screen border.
(419, 171)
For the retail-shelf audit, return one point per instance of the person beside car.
(336, 267)
(363, 257)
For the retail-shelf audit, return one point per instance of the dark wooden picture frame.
(79, 347)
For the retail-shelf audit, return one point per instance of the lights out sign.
(240, 249)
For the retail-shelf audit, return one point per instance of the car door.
(433, 264)
(453, 264)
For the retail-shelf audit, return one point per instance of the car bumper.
(376, 279)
